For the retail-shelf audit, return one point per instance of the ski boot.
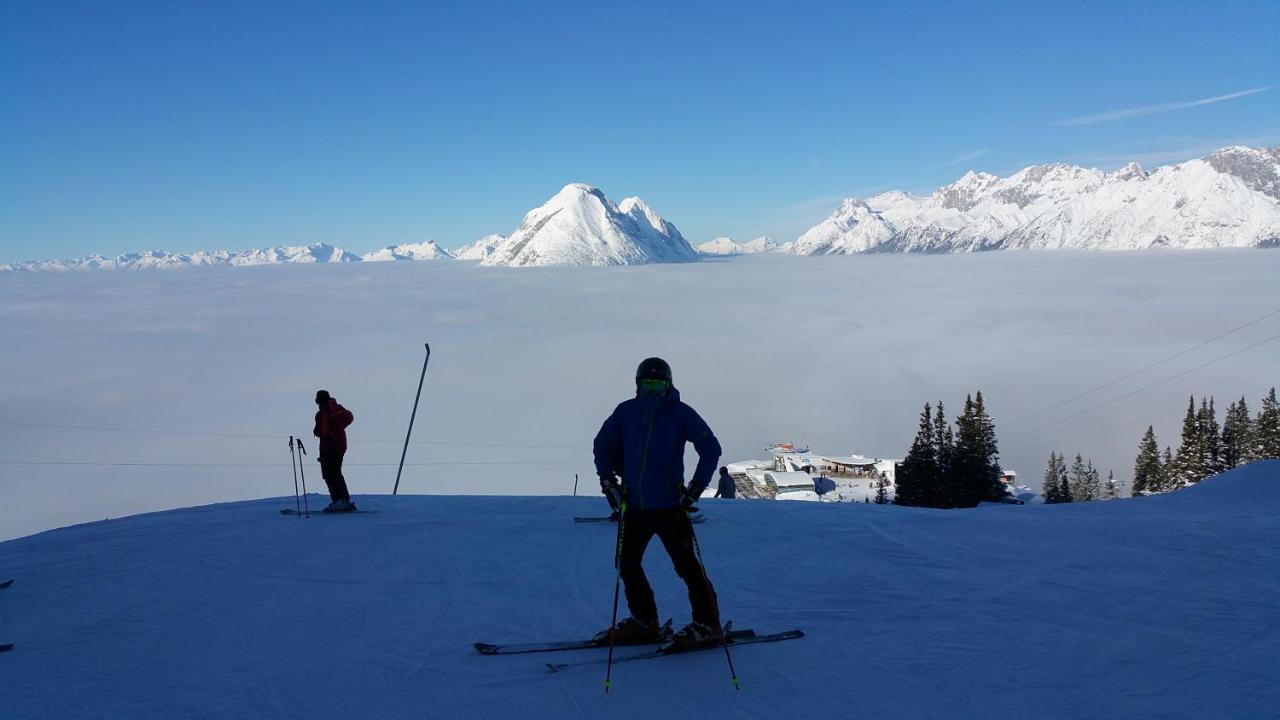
(691, 636)
(630, 632)
(340, 506)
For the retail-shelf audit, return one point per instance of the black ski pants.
(331, 471)
(676, 533)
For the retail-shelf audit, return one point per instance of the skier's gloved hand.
(688, 499)
(612, 492)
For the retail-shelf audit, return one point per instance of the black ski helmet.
(654, 368)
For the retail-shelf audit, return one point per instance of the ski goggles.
(653, 386)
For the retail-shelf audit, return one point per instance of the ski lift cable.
(91, 463)
(1147, 387)
(1139, 371)
(260, 436)
(1125, 414)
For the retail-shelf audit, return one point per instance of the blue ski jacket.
(643, 441)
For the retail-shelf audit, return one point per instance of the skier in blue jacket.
(639, 455)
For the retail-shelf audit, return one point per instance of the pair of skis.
(291, 511)
(735, 637)
(696, 519)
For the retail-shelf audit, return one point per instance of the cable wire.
(1139, 371)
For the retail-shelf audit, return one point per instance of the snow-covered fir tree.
(1266, 429)
(1052, 488)
(1078, 480)
(1093, 482)
(1146, 468)
(1237, 436)
(1111, 490)
(1188, 463)
(1210, 439)
(882, 490)
(1166, 471)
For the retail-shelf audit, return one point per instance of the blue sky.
(136, 125)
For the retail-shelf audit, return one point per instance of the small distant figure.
(331, 427)
(725, 487)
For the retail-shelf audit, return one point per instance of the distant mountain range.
(284, 254)
(1230, 198)
(727, 246)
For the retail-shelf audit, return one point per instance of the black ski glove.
(612, 492)
(688, 499)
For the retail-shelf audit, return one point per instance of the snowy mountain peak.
(727, 246)
(764, 243)
(479, 249)
(1132, 171)
(408, 251)
(1259, 169)
(1228, 199)
(963, 194)
(720, 246)
(580, 225)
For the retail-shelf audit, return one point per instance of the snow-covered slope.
(1228, 199)
(727, 246)
(479, 249)
(409, 251)
(317, 253)
(1155, 607)
(580, 226)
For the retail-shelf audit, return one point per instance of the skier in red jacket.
(331, 427)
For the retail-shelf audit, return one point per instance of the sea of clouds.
(838, 352)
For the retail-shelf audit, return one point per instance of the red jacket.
(331, 428)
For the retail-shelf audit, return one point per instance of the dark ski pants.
(676, 533)
(331, 471)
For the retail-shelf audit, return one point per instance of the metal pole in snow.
(302, 465)
(412, 415)
(293, 460)
(575, 484)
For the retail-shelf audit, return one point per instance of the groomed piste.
(1151, 607)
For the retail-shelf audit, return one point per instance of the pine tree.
(917, 476)
(1186, 465)
(992, 487)
(1266, 429)
(1146, 468)
(943, 490)
(882, 491)
(1210, 447)
(1167, 470)
(944, 448)
(1093, 482)
(975, 465)
(1237, 436)
(1050, 489)
(1111, 490)
(1064, 481)
(1078, 480)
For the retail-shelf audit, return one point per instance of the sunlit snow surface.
(836, 352)
(1154, 607)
